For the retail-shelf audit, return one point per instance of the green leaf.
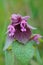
(23, 53)
(40, 40)
(9, 58)
(37, 56)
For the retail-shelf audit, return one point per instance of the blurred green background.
(33, 8)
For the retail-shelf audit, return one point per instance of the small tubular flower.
(11, 30)
(36, 38)
(23, 25)
(16, 19)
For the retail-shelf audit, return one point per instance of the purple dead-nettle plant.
(19, 29)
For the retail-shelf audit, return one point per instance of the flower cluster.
(20, 30)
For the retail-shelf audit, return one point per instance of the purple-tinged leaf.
(8, 42)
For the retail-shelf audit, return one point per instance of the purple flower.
(19, 29)
(23, 25)
(36, 38)
(16, 19)
(11, 30)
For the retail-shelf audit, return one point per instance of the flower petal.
(16, 19)
(23, 37)
(26, 18)
(8, 42)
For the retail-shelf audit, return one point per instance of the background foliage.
(33, 8)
